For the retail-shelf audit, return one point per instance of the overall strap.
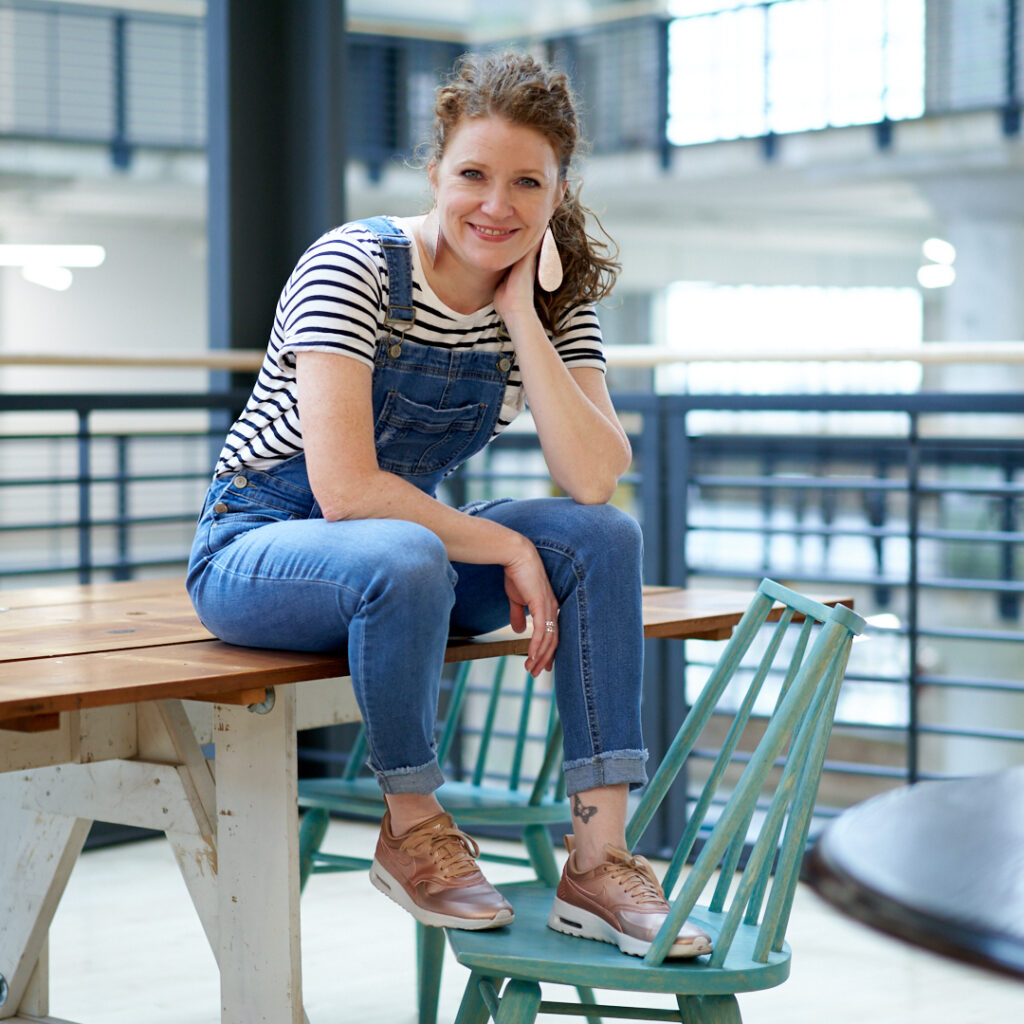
(397, 249)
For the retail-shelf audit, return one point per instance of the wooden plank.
(45, 631)
(151, 796)
(243, 698)
(32, 723)
(258, 881)
(51, 595)
(203, 669)
(182, 671)
(37, 853)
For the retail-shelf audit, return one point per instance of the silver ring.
(549, 626)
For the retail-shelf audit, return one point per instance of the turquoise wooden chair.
(766, 814)
(500, 744)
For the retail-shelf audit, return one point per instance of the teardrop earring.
(430, 235)
(549, 263)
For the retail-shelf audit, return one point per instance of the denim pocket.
(412, 438)
(227, 524)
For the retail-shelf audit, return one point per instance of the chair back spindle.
(807, 649)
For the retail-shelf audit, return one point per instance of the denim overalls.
(267, 570)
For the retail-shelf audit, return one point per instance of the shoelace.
(636, 881)
(451, 849)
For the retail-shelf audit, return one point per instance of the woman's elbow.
(595, 491)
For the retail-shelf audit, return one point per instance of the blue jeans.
(267, 571)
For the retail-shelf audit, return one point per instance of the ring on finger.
(549, 626)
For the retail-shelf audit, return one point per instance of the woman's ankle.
(598, 820)
(407, 810)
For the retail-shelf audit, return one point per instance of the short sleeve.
(334, 299)
(578, 338)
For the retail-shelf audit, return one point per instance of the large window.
(751, 68)
(734, 323)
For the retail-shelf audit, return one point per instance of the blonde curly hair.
(526, 92)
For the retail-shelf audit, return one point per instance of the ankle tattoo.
(581, 810)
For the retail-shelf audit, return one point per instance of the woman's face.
(496, 187)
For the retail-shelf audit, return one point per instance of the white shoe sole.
(570, 920)
(395, 891)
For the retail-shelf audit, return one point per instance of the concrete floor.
(127, 948)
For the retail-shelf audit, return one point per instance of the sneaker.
(431, 872)
(621, 902)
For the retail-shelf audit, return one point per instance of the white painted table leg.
(258, 869)
(37, 852)
(36, 1000)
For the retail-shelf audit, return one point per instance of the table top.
(96, 645)
(939, 864)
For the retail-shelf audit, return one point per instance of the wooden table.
(938, 864)
(107, 694)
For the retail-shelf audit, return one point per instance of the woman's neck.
(458, 288)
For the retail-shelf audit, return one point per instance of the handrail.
(634, 356)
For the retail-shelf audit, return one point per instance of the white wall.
(148, 296)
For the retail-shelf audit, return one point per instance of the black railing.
(915, 509)
(128, 79)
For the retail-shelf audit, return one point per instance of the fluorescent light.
(935, 275)
(938, 250)
(57, 278)
(52, 255)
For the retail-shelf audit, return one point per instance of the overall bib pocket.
(413, 439)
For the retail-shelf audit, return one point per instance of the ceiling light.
(52, 255)
(49, 276)
(938, 250)
(935, 275)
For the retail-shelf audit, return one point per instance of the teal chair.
(764, 819)
(500, 743)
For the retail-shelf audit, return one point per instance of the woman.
(400, 348)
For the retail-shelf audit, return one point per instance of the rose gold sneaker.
(431, 872)
(621, 902)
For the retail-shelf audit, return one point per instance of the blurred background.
(815, 342)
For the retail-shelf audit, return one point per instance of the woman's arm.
(584, 445)
(336, 412)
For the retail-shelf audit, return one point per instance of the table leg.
(258, 863)
(37, 852)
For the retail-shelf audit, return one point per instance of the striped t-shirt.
(335, 301)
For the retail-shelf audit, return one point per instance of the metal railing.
(911, 504)
(128, 79)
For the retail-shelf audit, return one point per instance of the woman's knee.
(414, 564)
(602, 530)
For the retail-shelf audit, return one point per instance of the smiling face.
(496, 187)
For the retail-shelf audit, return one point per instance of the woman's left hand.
(514, 295)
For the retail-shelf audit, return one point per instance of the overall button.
(240, 481)
(220, 507)
(395, 350)
(504, 364)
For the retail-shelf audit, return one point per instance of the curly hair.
(525, 92)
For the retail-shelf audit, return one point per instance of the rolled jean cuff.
(609, 769)
(423, 779)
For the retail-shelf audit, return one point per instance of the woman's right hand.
(527, 586)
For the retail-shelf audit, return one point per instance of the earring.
(549, 263)
(430, 234)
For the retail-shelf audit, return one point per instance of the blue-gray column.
(276, 85)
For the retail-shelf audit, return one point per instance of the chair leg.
(312, 831)
(537, 841)
(587, 995)
(429, 961)
(519, 1003)
(709, 1009)
(473, 1010)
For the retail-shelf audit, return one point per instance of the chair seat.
(467, 803)
(529, 949)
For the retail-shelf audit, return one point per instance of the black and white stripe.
(335, 301)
